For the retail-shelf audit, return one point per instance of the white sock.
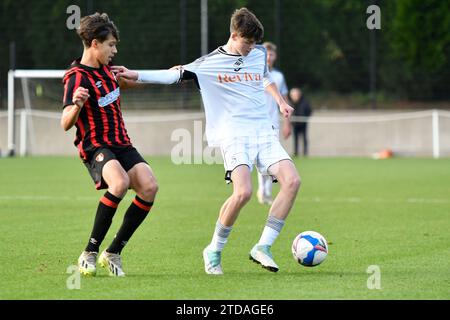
(220, 237)
(271, 231)
(268, 236)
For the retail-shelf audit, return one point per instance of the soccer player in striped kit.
(92, 105)
(232, 81)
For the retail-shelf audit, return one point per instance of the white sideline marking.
(375, 200)
(46, 198)
(301, 199)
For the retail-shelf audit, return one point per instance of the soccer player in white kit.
(232, 80)
(264, 192)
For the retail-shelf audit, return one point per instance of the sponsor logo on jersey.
(240, 77)
(109, 98)
(98, 84)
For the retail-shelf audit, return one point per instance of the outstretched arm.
(151, 76)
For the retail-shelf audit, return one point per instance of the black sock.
(134, 216)
(103, 219)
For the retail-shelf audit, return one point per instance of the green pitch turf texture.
(394, 214)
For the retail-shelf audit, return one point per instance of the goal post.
(23, 74)
(23, 108)
(433, 114)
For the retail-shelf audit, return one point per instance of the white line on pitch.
(300, 199)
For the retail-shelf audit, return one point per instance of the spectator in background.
(302, 108)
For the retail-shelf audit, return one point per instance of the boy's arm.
(287, 127)
(129, 84)
(151, 76)
(71, 112)
(285, 108)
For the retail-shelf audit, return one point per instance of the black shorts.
(127, 156)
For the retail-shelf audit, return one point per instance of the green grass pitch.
(394, 214)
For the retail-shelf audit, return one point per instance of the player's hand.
(80, 96)
(286, 110)
(122, 72)
(178, 67)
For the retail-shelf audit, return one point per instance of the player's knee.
(292, 183)
(120, 186)
(154, 187)
(243, 196)
(150, 189)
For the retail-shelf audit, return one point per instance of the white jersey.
(232, 89)
(272, 105)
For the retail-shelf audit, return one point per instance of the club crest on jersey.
(238, 64)
(109, 98)
(99, 157)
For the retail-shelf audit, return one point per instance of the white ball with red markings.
(309, 248)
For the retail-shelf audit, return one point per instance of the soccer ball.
(310, 248)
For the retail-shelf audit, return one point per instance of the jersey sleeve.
(192, 69)
(71, 82)
(267, 80)
(266, 67)
(194, 66)
(160, 76)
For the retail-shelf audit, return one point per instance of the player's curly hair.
(246, 24)
(96, 26)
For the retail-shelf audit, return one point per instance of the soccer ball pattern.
(309, 248)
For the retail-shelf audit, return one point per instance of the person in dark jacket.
(302, 108)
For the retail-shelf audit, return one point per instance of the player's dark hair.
(247, 25)
(96, 26)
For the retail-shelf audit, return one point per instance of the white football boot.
(113, 262)
(86, 263)
(261, 254)
(212, 261)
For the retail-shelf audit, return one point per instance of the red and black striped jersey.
(100, 122)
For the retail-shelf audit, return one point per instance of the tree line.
(324, 45)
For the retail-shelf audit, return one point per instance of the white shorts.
(263, 152)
